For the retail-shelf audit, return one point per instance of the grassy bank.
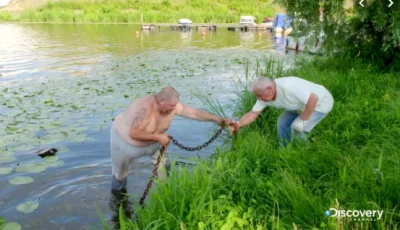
(352, 164)
(130, 11)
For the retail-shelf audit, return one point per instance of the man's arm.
(310, 107)
(139, 124)
(248, 118)
(188, 112)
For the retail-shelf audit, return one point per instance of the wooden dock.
(203, 27)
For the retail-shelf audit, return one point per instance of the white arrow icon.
(362, 4)
(391, 3)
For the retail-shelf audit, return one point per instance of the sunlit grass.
(131, 11)
(352, 163)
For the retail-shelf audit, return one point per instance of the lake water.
(61, 86)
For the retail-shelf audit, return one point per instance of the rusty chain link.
(152, 176)
(175, 142)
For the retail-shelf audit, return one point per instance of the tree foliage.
(371, 32)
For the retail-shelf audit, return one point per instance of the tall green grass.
(130, 11)
(6, 16)
(353, 162)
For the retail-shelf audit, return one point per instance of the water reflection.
(280, 44)
(186, 37)
(246, 38)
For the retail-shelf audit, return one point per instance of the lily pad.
(21, 180)
(7, 159)
(28, 207)
(63, 149)
(54, 164)
(6, 154)
(50, 159)
(79, 138)
(31, 168)
(12, 226)
(5, 171)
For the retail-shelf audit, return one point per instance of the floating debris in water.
(46, 152)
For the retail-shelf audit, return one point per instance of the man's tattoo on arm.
(139, 117)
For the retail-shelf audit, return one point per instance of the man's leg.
(314, 119)
(122, 154)
(119, 163)
(285, 120)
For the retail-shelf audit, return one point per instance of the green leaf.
(103, 221)
(54, 164)
(12, 226)
(20, 180)
(63, 149)
(5, 171)
(31, 168)
(2, 222)
(201, 225)
(7, 159)
(50, 159)
(28, 207)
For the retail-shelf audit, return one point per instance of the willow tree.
(370, 32)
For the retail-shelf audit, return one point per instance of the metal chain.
(152, 176)
(175, 142)
(181, 147)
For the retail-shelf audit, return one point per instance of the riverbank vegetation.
(350, 163)
(130, 11)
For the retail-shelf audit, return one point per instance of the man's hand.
(234, 126)
(224, 121)
(164, 139)
(298, 124)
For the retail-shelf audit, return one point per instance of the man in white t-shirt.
(305, 104)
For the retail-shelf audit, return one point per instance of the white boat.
(247, 21)
(305, 43)
(184, 21)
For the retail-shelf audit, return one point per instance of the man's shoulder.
(146, 102)
(291, 81)
(288, 79)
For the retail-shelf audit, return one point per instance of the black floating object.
(46, 152)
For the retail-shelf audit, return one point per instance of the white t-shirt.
(292, 94)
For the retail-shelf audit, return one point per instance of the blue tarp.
(282, 20)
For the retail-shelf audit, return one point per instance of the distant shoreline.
(134, 12)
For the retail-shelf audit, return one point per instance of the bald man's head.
(167, 94)
(167, 99)
(264, 88)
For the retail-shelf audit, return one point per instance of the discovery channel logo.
(355, 215)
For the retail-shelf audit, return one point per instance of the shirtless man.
(140, 130)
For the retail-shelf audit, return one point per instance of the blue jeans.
(287, 134)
